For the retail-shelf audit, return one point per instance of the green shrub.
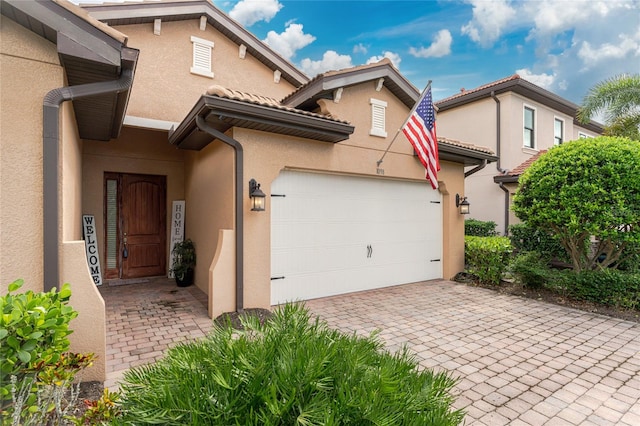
(525, 238)
(479, 228)
(33, 331)
(530, 269)
(37, 371)
(608, 287)
(288, 371)
(630, 258)
(487, 257)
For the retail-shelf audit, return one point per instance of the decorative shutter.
(378, 118)
(202, 57)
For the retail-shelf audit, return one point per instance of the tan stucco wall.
(166, 59)
(210, 195)
(135, 151)
(89, 327)
(29, 69)
(476, 123)
(24, 55)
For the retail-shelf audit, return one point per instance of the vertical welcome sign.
(177, 230)
(91, 246)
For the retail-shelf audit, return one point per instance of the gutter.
(500, 169)
(51, 158)
(202, 124)
(476, 168)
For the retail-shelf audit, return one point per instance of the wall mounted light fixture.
(256, 195)
(463, 204)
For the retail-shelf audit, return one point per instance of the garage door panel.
(336, 234)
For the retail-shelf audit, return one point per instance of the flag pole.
(405, 122)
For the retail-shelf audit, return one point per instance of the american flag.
(420, 129)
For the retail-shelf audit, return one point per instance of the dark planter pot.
(186, 280)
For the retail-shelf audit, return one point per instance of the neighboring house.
(516, 119)
(175, 101)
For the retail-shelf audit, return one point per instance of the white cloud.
(543, 80)
(552, 16)
(248, 12)
(360, 48)
(331, 60)
(440, 47)
(393, 57)
(608, 51)
(490, 18)
(288, 42)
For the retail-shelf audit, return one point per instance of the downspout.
(50, 161)
(500, 170)
(239, 165)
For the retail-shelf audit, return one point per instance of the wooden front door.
(135, 218)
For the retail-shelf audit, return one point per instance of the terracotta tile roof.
(238, 95)
(464, 92)
(470, 146)
(520, 169)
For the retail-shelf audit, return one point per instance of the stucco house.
(118, 111)
(516, 119)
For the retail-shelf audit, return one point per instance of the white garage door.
(333, 234)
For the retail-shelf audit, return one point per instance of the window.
(558, 131)
(583, 135)
(202, 57)
(529, 129)
(378, 112)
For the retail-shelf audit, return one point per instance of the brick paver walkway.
(518, 361)
(147, 317)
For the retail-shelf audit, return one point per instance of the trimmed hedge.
(608, 287)
(487, 257)
(525, 238)
(479, 228)
(530, 269)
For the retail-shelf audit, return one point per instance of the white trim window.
(583, 136)
(378, 118)
(558, 131)
(529, 119)
(202, 57)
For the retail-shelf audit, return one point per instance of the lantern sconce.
(256, 195)
(463, 204)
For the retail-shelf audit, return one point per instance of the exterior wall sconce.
(256, 195)
(463, 204)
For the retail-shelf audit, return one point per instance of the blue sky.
(565, 46)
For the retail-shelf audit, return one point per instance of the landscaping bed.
(551, 296)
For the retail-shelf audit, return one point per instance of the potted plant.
(184, 261)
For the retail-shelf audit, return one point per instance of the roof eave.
(224, 114)
(526, 89)
(89, 52)
(466, 156)
(506, 179)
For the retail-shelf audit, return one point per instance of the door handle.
(125, 250)
(369, 251)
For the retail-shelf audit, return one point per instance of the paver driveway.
(519, 361)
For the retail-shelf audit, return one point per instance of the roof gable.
(323, 85)
(130, 13)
